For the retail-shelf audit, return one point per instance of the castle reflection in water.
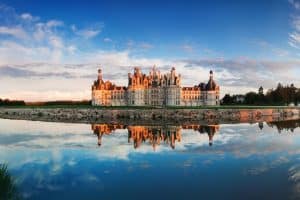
(154, 135)
(170, 134)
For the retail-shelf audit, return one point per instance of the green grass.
(7, 186)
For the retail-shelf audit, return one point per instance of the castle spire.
(99, 74)
(211, 74)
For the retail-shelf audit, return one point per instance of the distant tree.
(297, 97)
(7, 102)
(261, 90)
(227, 100)
(251, 98)
(84, 102)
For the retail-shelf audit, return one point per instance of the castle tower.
(211, 74)
(173, 71)
(99, 74)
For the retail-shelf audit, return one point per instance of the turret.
(137, 71)
(211, 75)
(99, 74)
(211, 85)
(129, 79)
(173, 71)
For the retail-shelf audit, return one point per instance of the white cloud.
(294, 36)
(28, 17)
(146, 46)
(56, 42)
(294, 40)
(54, 23)
(17, 32)
(72, 49)
(107, 40)
(295, 4)
(49, 95)
(187, 48)
(268, 47)
(88, 33)
(138, 46)
(52, 52)
(296, 22)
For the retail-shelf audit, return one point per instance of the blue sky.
(52, 48)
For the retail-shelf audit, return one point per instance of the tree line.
(281, 95)
(7, 102)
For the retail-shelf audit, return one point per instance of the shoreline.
(157, 115)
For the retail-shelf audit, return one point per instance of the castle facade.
(154, 89)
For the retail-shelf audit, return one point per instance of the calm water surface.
(102, 161)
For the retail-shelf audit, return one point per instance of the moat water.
(114, 161)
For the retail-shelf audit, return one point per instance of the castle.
(155, 89)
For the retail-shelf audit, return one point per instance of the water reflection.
(288, 125)
(51, 159)
(154, 135)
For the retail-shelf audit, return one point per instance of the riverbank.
(96, 115)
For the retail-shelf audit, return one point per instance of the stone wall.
(95, 115)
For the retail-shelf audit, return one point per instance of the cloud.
(51, 51)
(56, 42)
(187, 48)
(72, 49)
(17, 32)
(138, 46)
(28, 17)
(17, 72)
(239, 74)
(295, 4)
(247, 72)
(88, 33)
(294, 36)
(296, 22)
(54, 23)
(146, 46)
(48, 95)
(294, 40)
(107, 40)
(271, 48)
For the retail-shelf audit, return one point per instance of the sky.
(51, 50)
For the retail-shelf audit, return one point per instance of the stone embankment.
(94, 115)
